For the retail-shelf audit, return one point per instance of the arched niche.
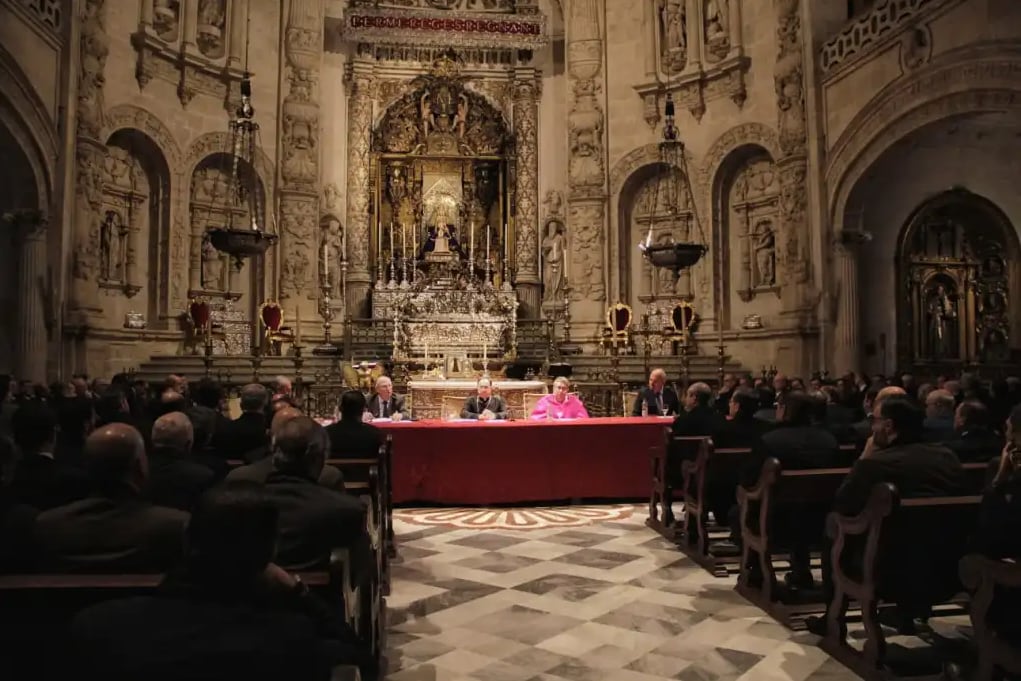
(135, 228)
(958, 267)
(653, 196)
(745, 218)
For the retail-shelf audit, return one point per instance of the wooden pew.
(887, 526)
(774, 488)
(667, 478)
(982, 577)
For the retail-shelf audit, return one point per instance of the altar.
(427, 396)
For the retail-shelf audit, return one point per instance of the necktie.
(659, 402)
(482, 404)
(383, 408)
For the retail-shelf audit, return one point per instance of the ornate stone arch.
(644, 156)
(970, 80)
(218, 143)
(131, 116)
(25, 116)
(755, 134)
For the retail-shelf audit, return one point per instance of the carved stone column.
(299, 157)
(83, 304)
(190, 23)
(693, 10)
(359, 137)
(793, 167)
(846, 353)
(30, 342)
(736, 41)
(238, 32)
(526, 219)
(587, 194)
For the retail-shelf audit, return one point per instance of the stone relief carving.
(212, 21)
(298, 271)
(331, 196)
(764, 240)
(673, 32)
(492, 6)
(793, 202)
(95, 46)
(872, 29)
(586, 223)
(112, 235)
(130, 116)
(916, 48)
(527, 179)
(585, 127)
(212, 266)
(717, 29)
(332, 248)
(358, 139)
(167, 19)
(554, 248)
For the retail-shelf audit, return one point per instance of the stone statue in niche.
(211, 17)
(110, 239)
(165, 19)
(666, 276)
(673, 30)
(333, 253)
(212, 266)
(716, 19)
(942, 314)
(764, 244)
(554, 248)
(204, 187)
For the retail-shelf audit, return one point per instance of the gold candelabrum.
(326, 307)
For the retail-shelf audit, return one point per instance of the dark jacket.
(796, 448)
(243, 435)
(42, 482)
(313, 521)
(938, 429)
(473, 407)
(740, 433)
(258, 472)
(390, 407)
(699, 421)
(354, 439)
(117, 533)
(671, 405)
(916, 469)
(176, 482)
(976, 445)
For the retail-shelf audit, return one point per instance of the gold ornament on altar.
(362, 376)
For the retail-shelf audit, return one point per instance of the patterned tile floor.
(586, 596)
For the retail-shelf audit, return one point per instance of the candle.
(343, 244)
(404, 241)
(487, 241)
(485, 352)
(326, 263)
(391, 240)
(471, 246)
(297, 326)
(427, 351)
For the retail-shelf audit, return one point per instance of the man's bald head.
(939, 404)
(281, 418)
(115, 454)
(888, 391)
(299, 448)
(173, 431)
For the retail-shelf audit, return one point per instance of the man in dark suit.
(230, 613)
(385, 404)
(313, 520)
(741, 429)
(40, 480)
(973, 440)
(246, 435)
(659, 399)
(350, 436)
(485, 406)
(939, 416)
(698, 417)
(115, 529)
(174, 480)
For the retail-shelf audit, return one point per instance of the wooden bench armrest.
(880, 504)
(767, 478)
(977, 570)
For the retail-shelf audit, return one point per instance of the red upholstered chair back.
(199, 312)
(272, 316)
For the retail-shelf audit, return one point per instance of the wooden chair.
(530, 400)
(983, 577)
(451, 406)
(757, 512)
(665, 462)
(874, 544)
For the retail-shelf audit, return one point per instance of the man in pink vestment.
(560, 404)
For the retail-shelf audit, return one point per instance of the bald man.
(659, 399)
(175, 480)
(262, 467)
(115, 529)
(939, 416)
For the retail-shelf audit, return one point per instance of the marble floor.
(585, 594)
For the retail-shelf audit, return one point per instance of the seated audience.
(973, 440)
(16, 519)
(723, 395)
(741, 429)
(40, 479)
(314, 520)
(698, 417)
(229, 613)
(385, 404)
(767, 404)
(939, 416)
(484, 406)
(115, 529)
(560, 404)
(261, 469)
(206, 413)
(112, 407)
(350, 436)
(174, 479)
(245, 437)
(999, 533)
(658, 398)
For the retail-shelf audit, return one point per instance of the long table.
(505, 462)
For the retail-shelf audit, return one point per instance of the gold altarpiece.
(442, 168)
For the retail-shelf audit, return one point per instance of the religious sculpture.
(585, 123)
(212, 266)
(165, 19)
(333, 253)
(716, 19)
(110, 233)
(94, 50)
(211, 16)
(331, 196)
(554, 247)
(942, 314)
(765, 254)
(442, 241)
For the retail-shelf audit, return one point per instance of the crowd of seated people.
(117, 478)
(915, 437)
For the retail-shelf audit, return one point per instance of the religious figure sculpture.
(441, 241)
(765, 254)
(165, 19)
(461, 118)
(425, 110)
(942, 314)
(333, 253)
(212, 266)
(553, 251)
(211, 17)
(716, 19)
(110, 247)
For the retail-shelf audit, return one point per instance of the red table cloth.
(506, 462)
